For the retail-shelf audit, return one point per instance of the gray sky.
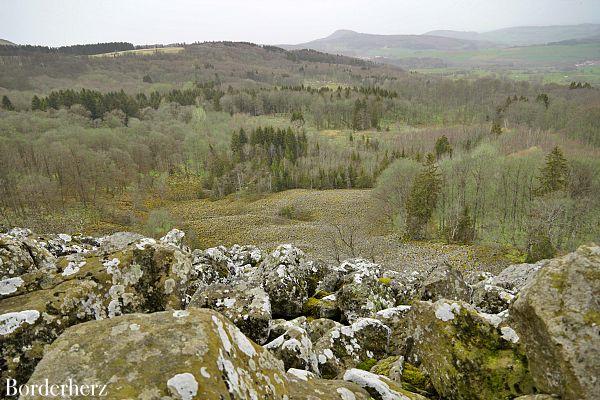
(60, 22)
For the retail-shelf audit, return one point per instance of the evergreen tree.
(6, 104)
(554, 173)
(36, 103)
(442, 146)
(544, 99)
(422, 199)
(496, 128)
(238, 140)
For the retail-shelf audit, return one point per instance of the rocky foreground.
(152, 319)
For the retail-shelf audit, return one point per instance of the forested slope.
(115, 139)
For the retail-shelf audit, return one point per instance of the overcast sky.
(60, 22)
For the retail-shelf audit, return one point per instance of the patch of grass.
(293, 213)
(142, 52)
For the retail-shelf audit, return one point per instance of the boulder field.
(152, 319)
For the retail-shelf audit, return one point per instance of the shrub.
(539, 247)
(159, 222)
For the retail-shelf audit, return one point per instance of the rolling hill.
(348, 42)
(4, 42)
(526, 35)
(550, 53)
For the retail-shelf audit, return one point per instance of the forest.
(485, 160)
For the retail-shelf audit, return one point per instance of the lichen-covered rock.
(416, 381)
(118, 241)
(364, 291)
(224, 265)
(491, 298)
(280, 326)
(516, 277)
(63, 244)
(325, 307)
(557, 316)
(405, 285)
(304, 386)
(295, 349)
(20, 254)
(465, 354)
(316, 328)
(378, 386)
(344, 347)
(144, 277)
(173, 237)
(191, 354)
(396, 319)
(246, 305)
(444, 282)
(390, 367)
(284, 277)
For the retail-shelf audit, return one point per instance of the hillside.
(526, 35)
(4, 42)
(363, 44)
(564, 55)
(148, 141)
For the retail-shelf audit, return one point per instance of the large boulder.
(466, 354)
(224, 265)
(191, 354)
(305, 386)
(194, 354)
(19, 254)
(118, 241)
(344, 347)
(516, 277)
(490, 298)
(246, 305)
(316, 328)
(364, 291)
(295, 349)
(557, 316)
(144, 277)
(284, 276)
(379, 387)
(444, 282)
(405, 285)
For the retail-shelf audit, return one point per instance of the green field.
(543, 64)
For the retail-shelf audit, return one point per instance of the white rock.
(183, 386)
(10, 285)
(11, 321)
(372, 381)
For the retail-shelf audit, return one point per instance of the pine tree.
(238, 140)
(544, 99)
(554, 173)
(442, 146)
(422, 199)
(6, 104)
(496, 128)
(36, 103)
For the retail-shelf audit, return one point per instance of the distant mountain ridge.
(526, 35)
(354, 43)
(4, 42)
(517, 47)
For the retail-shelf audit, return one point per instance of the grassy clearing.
(142, 52)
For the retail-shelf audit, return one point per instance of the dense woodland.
(462, 161)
